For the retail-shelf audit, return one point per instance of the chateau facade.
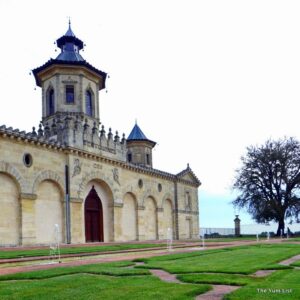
(73, 174)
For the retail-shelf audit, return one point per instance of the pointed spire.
(70, 46)
(69, 31)
(137, 134)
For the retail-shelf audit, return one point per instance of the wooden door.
(93, 213)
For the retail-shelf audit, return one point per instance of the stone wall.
(138, 203)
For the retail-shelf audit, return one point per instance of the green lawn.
(231, 239)
(112, 269)
(280, 285)
(241, 260)
(219, 278)
(4, 254)
(88, 282)
(198, 269)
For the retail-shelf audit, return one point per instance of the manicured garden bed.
(198, 269)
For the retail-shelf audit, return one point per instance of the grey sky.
(204, 79)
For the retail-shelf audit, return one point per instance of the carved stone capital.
(28, 196)
(76, 200)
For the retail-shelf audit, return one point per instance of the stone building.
(72, 172)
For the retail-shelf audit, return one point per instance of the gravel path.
(218, 292)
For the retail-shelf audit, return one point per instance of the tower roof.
(70, 47)
(137, 134)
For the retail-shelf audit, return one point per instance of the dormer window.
(88, 103)
(70, 95)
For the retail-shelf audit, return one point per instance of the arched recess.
(149, 192)
(188, 227)
(167, 196)
(47, 175)
(95, 175)
(129, 218)
(10, 219)
(49, 212)
(167, 218)
(150, 219)
(105, 194)
(93, 217)
(15, 174)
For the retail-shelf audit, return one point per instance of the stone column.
(28, 228)
(118, 232)
(160, 224)
(237, 226)
(77, 221)
(141, 223)
(195, 223)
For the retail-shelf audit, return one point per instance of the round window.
(27, 160)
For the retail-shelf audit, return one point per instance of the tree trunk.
(280, 229)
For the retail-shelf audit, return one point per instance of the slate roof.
(70, 46)
(137, 134)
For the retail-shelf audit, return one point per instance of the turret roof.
(70, 47)
(137, 134)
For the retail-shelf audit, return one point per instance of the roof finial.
(135, 121)
(70, 32)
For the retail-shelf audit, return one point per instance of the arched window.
(129, 157)
(50, 102)
(88, 103)
(148, 159)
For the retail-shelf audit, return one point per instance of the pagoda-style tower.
(70, 85)
(139, 148)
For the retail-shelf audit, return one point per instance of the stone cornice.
(34, 139)
(182, 211)
(76, 200)
(129, 166)
(28, 137)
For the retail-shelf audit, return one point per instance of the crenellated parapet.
(73, 130)
(34, 136)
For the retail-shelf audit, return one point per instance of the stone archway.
(49, 212)
(93, 217)
(10, 218)
(167, 218)
(129, 218)
(150, 219)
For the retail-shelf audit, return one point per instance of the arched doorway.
(93, 214)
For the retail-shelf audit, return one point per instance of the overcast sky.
(204, 79)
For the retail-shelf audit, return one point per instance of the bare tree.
(268, 182)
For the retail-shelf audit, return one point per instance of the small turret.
(139, 148)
